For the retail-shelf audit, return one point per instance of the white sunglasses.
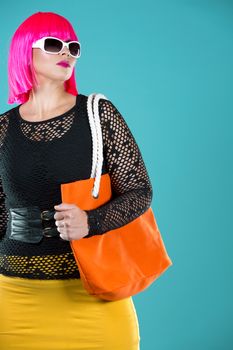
(50, 44)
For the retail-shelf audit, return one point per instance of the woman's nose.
(65, 50)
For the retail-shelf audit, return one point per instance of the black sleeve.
(3, 212)
(131, 186)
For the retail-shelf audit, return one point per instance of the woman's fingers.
(62, 229)
(71, 223)
(60, 223)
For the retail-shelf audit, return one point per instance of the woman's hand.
(71, 221)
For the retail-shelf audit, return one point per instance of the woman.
(46, 141)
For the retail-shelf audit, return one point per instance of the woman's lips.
(63, 64)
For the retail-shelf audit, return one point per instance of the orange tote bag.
(121, 262)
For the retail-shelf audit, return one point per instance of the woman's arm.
(131, 186)
(3, 212)
(4, 122)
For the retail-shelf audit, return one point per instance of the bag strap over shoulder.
(97, 141)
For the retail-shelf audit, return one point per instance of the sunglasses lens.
(52, 45)
(74, 49)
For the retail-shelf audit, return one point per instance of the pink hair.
(21, 74)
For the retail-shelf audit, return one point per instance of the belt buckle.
(47, 229)
(44, 217)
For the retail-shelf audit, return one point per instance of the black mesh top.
(37, 156)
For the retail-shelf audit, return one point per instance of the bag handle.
(97, 141)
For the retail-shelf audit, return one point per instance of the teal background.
(167, 67)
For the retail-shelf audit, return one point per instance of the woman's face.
(46, 66)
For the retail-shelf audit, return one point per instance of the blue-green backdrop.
(167, 66)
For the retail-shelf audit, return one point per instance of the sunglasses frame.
(40, 45)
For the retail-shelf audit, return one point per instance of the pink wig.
(21, 74)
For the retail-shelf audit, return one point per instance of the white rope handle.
(97, 140)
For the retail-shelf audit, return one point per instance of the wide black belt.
(31, 224)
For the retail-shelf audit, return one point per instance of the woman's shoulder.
(104, 103)
(4, 116)
(4, 122)
(102, 96)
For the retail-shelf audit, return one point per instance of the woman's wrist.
(92, 223)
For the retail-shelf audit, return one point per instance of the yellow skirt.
(61, 315)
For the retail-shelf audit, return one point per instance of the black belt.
(31, 224)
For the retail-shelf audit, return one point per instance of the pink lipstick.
(64, 64)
